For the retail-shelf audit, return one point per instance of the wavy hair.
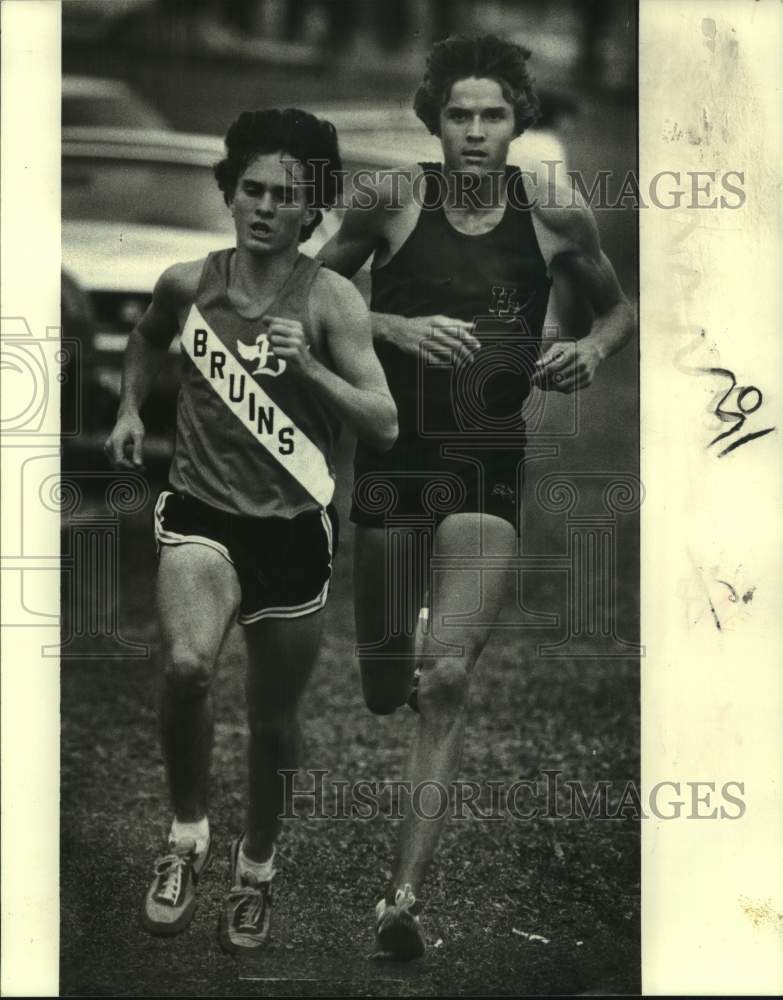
(485, 56)
(310, 140)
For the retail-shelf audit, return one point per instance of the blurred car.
(96, 21)
(136, 201)
(97, 102)
(133, 203)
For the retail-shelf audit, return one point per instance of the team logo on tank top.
(267, 362)
(265, 419)
(505, 302)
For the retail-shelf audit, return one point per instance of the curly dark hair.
(302, 136)
(463, 56)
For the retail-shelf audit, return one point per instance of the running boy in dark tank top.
(495, 280)
(464, 256)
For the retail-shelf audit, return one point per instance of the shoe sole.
(232, 948)
(400, 938)
(182, 921)
(169, 929)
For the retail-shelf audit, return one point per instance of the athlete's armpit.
(572, 245)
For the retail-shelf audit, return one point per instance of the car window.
(177, 195)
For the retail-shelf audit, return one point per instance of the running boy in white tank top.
(277, 352)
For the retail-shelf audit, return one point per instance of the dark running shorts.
(284, 566)
(424, 482)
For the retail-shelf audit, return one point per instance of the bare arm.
(586, 271)
(356, 391)
(147, 346)
(361, 232)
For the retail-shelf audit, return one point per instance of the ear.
(312, 218)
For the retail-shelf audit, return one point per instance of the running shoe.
(397, 928)
(171, 898)
(244, 922)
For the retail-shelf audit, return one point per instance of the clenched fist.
(288, 341)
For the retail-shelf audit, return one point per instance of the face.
(269, 204)
(476, 126)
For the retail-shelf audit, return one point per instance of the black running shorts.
(283, 565)
(423, 481)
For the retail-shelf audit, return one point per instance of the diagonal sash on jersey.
(306, 462)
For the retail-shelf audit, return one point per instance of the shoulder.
(385, 189)
(331, 291)
(562, 212)
(336, 303)
(179, 283)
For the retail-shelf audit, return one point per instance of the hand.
(124, 446)
(288, 341)
(566, 367)
(439, 338)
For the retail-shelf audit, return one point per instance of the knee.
(443, 689)
(188, 672)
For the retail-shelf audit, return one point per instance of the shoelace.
(250, 902)
(169, 870)
(403, 900)
(404, 897)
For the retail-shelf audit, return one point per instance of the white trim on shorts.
(163, 537)
(298, 610)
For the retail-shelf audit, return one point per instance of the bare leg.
(281, 655)
(387, 604)
(198, 594)
(443, 687)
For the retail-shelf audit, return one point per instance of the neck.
(466, 194)
(251, 273)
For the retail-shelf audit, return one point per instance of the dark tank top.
(252, 438)
(497, 280)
